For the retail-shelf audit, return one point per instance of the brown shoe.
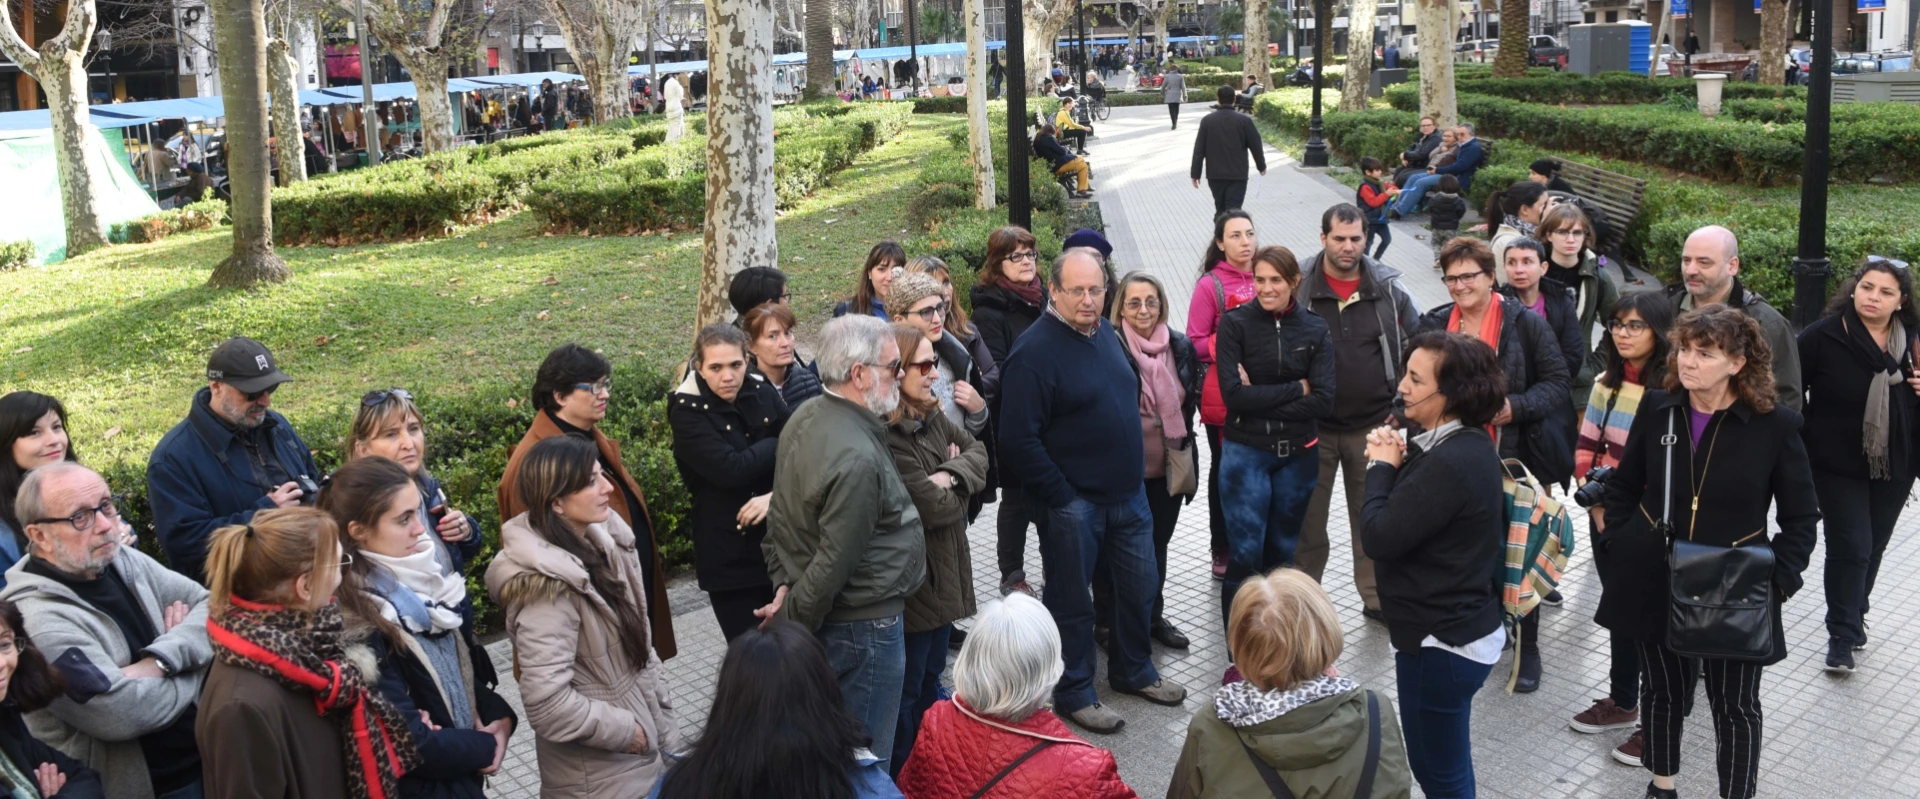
(1629, 753)
(1604, 716)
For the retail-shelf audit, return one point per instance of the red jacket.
(955, 754)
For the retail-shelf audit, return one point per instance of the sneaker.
(1629, 752)
(1097, 718)
(1374, 614)
(1604, 716)
(1861, 645)
(1219, 564)
(1552, 599)
(1017, 581)
(1839, 657)
(1161, 692)
(1661, 793)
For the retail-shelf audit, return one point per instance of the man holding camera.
(231, 456)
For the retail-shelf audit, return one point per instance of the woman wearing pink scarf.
(1169, 394)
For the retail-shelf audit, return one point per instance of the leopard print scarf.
(304, 652)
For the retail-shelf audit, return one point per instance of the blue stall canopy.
(527, 79)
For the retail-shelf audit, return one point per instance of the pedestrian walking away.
(1221, 148)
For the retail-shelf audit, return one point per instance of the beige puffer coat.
(583, 695)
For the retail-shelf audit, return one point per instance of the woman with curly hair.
(1734, 453)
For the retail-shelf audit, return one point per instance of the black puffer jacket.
(1277, 350)
(1001, 316)
(26, 753)
(1563, 316)
(725, 454)
(1537, 387)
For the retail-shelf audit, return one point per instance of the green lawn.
(122, 335)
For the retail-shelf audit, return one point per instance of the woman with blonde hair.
(283, 650)
(1312, 731)
(389, 425)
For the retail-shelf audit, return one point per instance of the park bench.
(1618, 195)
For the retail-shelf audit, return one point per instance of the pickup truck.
(1546, 51)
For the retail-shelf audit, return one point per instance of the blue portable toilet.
(1639, 46)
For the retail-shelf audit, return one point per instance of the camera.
(1595, 489)
(309, 489)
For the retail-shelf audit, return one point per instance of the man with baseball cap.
(231, 456)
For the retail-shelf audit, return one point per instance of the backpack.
(1539, 539)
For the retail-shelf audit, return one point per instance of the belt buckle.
(1283, 449)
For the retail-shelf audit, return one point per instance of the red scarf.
(1489, 333)
(1033, 291)
(304, 653)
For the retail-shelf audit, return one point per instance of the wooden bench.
(1618, 195)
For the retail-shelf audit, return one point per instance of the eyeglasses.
(1569, 232)
(1024, 255)
(1634, 326)
(891, 367)
(786, 296)
(924, 367)
(605, 386)
(931, 313)
(378, 397)
(1881, 260)
(83, 519)
(254, 396)
(1149, 304)
(1084, 292)
(1460, 280)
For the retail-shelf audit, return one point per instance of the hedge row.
(665, 186)
(940, 206)
(1607, 88)
(430, 196)
(1867, 142)
(200, 215)
(15, 255)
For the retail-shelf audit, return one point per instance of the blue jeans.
(870, 658)
(926, 659)
(1264, 498)
(1073, 541)
(1436, 706)
(1411, 193)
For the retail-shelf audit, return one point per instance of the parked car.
(1546, 51)
(1859, 63)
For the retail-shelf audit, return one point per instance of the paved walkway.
(1826, 737)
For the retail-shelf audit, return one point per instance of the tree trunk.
(436, 108)
(979, 137)
(819, 47)
(1436, 62)
(240, 36)
(599, 34)
(292, 153)
(1043, 24)
(59, 64)
(1665, 29)
(1516, 22)
(740, 198)
(1353, 92)
(1160, 28)
(1774, 16)
(1254, 58)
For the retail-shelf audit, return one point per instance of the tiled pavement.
(1825, 737)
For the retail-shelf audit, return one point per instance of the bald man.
(1710, 273)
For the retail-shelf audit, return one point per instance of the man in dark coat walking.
(1224, 135)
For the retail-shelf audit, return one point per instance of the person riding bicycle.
(1095, 89)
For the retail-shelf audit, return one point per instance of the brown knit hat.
(910, 288)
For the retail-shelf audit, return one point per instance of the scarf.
(1877, 421)
(1241, 704)
(304, 653)
(1161, 394)
(1489, 331)
(1034, 292)
(422, 597)
(1522, 226)
(15, 783)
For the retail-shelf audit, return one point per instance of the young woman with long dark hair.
(430, 663)
(33, 433)
(27, 684)
(1226, 282)
(876, 277)
(778, 727)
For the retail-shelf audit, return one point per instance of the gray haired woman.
(996, 733)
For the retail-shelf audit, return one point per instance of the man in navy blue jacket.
(1070, 432)
(231, 456)
(1468, 157)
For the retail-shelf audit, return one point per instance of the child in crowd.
(1373, 196)
(1446, 207)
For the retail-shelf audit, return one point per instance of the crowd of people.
(312, 635)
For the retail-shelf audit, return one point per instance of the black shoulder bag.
(1009, 769)
(1362, 790)
(1720, 598)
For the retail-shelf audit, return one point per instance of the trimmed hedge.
(1607, 88)
(665, 186)
(15, 255)
(200, 215)
(941, 205)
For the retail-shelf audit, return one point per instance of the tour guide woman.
(1734, 454)
(1433, 524)
(1857, 364)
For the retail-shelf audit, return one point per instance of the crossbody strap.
(1668, 441)
(1009, 769)
(1272, 778)
(1365, 788)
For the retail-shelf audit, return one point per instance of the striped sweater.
(1609, 415)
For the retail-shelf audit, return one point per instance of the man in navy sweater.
(1070, 432)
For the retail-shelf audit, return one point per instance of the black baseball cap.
(246, 365)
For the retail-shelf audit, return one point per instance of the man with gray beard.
(844, 544)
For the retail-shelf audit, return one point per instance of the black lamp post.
(1810, 265)
(1316, 154)
(1019, 202)
(1080, 47)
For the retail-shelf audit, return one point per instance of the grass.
(122, 335)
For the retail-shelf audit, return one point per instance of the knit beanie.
(1086, 237)
(910, 288)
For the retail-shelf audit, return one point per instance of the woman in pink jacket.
(1226, 281)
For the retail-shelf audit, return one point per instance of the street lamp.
(103, 42)
(1316, 154)
(1019, 201)
(1810, 264)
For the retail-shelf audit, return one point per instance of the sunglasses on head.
(380, 396)
(1881, 260)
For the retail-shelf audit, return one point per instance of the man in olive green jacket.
(844, 545)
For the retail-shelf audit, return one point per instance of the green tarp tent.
(30, 207)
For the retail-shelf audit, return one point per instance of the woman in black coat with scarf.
(1857, 366)
(1008, 297)
(726, 425)
(28, 683)
(1734, 453)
